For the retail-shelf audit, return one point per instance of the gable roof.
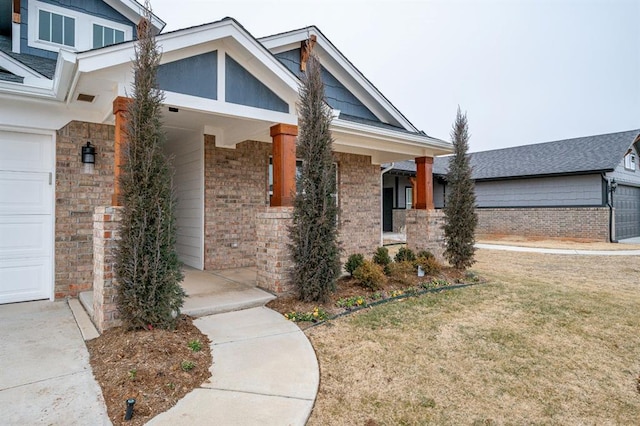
(332, 59)
(589, 154)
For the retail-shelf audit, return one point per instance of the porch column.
(424, 224)
(120, 105)
(284, 164)
(424, 184)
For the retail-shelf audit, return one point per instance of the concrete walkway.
(264, 372)
(45, 377)
(559, 251)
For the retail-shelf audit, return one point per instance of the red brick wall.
(77, 195)
(235, 190)
(571, 222)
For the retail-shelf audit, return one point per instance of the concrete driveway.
(45, 377)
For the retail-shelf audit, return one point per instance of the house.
(586, 187)
(230, 118)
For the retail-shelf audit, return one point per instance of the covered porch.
(212, 292)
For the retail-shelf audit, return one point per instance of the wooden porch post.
(284, 164)
(120, 105)
(424, 184)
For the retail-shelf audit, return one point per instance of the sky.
(524, 71)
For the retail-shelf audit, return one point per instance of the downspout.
(609, 198)
(385, 170)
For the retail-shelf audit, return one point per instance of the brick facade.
(235, 191)
(77, 196)
(273, 257)
(399, 220)
(425, 231)
(566, 222)
(105, 242)
(359, 199)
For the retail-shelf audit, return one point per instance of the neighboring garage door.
(26, 216)
(626, 200)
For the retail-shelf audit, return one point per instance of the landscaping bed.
(401, 281)
(155, 367)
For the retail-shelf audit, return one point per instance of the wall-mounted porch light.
(88, 155)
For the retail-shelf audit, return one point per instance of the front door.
(387, 209)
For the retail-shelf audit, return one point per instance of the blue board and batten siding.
(97, 8)
(242, 88)
(337, 96)
(196, 76)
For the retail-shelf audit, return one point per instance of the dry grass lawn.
(550, 339)
(519, 241)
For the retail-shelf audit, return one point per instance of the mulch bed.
(348, 287)
(148, 365)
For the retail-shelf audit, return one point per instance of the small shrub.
(402, 273)
(434, 283)
(405, 254)
(425, 253)
(381, 257)
(318, 314)
(429, 265)
(370, 275)
(350, 302)
(353, 262)
(187, 365)
(195, 345)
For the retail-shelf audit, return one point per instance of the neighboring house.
(553, 189)
(65, 74)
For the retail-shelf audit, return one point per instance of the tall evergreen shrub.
(148, 270)
(460, 214)
(314, 235)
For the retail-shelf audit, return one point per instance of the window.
(408, 197)
(630, 161)
(105, 36)
(56, 28)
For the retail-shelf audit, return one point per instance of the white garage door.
(26, 216)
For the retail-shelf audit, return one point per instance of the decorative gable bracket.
(306, 47)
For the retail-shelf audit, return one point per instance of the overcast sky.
(525, 71)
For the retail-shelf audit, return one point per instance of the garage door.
(26, 225)
(626, 200)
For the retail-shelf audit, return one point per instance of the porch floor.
(226, 290)
(212, 292)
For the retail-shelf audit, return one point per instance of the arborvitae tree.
(459, 211)
(314, 234)
(148, 269)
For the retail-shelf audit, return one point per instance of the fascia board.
(211, 106)
(438, 146)
(275, 42)
(40, 87)
(134, 11)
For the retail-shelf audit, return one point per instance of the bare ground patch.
(550, 339)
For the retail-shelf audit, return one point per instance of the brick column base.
(106, 221)
(425, 231)
(273, 259)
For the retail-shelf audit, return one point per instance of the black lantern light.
(88, 154)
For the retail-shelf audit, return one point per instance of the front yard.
(549, 339)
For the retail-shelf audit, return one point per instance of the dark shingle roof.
(7, 76)
(44, 66)
(587, 154)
